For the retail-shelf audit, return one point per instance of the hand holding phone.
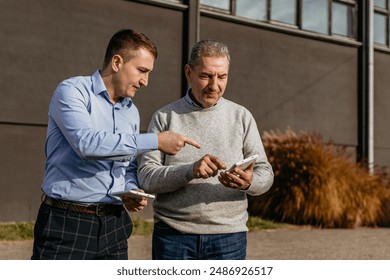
(233, 180)
(243, 164)
(133, 193)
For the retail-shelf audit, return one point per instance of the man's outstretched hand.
(171, 143)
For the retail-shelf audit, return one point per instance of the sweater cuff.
(190, 171)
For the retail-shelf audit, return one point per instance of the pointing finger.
(192, 142)
(219, 163)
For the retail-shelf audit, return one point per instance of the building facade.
(308, 65)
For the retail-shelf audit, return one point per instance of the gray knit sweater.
(203, 206)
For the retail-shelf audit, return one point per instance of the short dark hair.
(124, 42)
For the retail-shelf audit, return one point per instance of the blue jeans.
(170, 244)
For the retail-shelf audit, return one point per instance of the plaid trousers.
(66, 235)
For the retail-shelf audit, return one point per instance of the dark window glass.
(342, 16)
(284, 11)
(380, 29)
(315, 15)
(222, 4)
(254, 9)
(380, 3)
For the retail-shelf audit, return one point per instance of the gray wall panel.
(290, 81)
(44, 42)
(22, 155)
(381, 109)
(284, 79)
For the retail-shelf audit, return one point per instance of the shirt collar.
(98, 87)
(188, 97)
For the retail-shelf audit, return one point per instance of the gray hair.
(209, 48)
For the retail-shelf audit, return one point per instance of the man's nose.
(213, 82)
(144, 80)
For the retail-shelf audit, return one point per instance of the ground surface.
(282, 244)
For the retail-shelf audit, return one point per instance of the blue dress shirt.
(92, 144)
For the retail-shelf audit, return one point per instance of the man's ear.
(116, 62)
(187, 71)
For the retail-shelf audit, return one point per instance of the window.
(381, 19)
(315, 15)
(253, 9)
(284, 11)
(330, 17)
(380, 28)
(380, 3)
(221, 4)
(342, 19)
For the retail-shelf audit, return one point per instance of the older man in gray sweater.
(200, 210)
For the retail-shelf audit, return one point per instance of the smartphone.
(243, 164)
(133, 193)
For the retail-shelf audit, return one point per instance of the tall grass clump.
(319, 184)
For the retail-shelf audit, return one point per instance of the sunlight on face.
(208, 80)
(133, 74)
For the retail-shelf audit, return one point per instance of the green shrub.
(319, 184)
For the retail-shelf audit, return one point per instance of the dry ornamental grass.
(319, 184)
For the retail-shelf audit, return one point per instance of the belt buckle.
(99, 211)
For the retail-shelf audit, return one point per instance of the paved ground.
(282, 244)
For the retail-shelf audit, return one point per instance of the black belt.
(100, 209)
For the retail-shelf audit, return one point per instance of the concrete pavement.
(297, 243)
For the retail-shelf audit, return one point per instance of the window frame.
(353, 6)
(384, 12)
(298, 17)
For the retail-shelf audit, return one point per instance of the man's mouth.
(211, 94)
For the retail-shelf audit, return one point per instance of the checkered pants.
(66, 235)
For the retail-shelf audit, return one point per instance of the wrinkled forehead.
(219, 64)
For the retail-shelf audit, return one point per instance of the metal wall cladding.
(286, 79)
